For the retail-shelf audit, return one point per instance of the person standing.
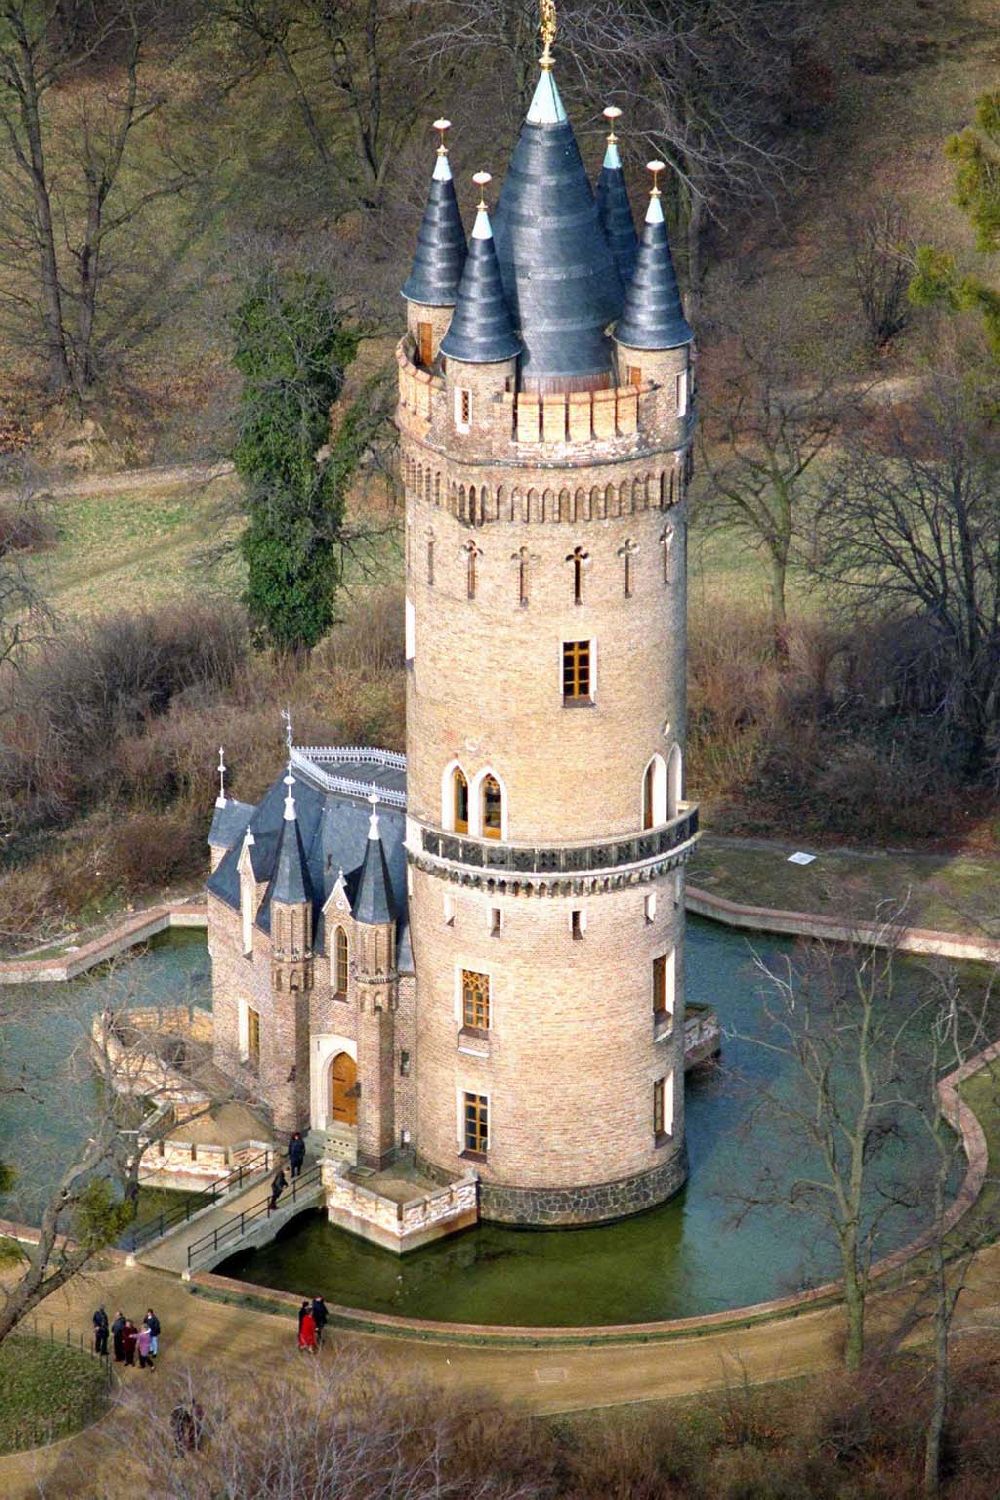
(307, 1329)
(296, 1153)
(100, 1331)
(118, 1335)
(321, 1317)
(278, 1185)
(152, 1322)
(130, 1337)
(143, 1341)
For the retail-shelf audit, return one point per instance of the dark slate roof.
(373, 901)
(615, 214)
(653, 317)
(229, 823)
(290, 882)
(333, 827)
(481, 331)
(440, 253)
(558, 271)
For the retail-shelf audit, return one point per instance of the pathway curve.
(158, 477)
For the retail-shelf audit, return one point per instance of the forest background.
(161, 161)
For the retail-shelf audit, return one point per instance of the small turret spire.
(373, 832)
(289, 799)
(482, 330)
(652, 317)
(613, 208)
(440, 254)
(220, 800)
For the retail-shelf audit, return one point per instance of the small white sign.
(801, 859)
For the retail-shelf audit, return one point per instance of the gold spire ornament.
(612, 114)
(481, 179)
(656, 167)
(548, 31)
(442, 127)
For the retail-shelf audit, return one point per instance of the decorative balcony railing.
(568, 859)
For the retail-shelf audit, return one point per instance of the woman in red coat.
(307, 1331)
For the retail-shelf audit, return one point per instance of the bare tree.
(73, 205)
(911, 528)
(757, 451)
(93, 1196)
(832, 1014)
(881, 253)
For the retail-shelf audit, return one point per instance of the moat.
(682, 1259)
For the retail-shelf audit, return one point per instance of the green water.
(684, 1258)
(45, 1031)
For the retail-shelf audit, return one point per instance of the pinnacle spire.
(440, 254)
(373, 900)
(653, 317)
(481, 330)
(613, 208)
(220, 800)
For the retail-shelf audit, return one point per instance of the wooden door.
(425, 344)
(343, 1082)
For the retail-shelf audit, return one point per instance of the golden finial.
(442, 127)
(548, 31)
(656, 167)
(481, 179)
(612, 114)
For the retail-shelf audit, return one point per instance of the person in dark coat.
(278, 1186)
(321, 1317)
(152, 1322)
(100, 1331)
(296, 1154)
(118, 1335)
(130, 1336)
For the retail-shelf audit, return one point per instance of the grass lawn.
(47, 1391)
(948, 892)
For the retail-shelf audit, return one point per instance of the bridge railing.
(160, 1224)
(241, 1224)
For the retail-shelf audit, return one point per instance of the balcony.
(606, 856)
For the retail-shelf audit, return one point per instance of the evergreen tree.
(292, 349)
(977, 190)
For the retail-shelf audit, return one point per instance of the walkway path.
(158, 477)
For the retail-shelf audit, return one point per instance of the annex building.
(468, 964)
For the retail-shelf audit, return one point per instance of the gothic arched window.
(340, 964)
(492, 808)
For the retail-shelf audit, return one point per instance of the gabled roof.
(481, 332)
(559, 275)
(653, 317)
(333, 829)
(440, 254)
(229, 821)
(615, 213)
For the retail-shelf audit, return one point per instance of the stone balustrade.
(398, 1225)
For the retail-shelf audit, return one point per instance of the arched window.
(492, 808)
(674, 781)
(460, 795)
(340, 964)
(654, 793)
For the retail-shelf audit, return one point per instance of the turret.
(377, 989)
(431, 289)
(653, 337)
(291, 906)
(480, 347)
(613, 208)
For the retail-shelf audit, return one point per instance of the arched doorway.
(343, 1090)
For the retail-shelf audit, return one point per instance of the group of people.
(127, 1339)
(313, 1318)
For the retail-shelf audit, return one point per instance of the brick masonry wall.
(572, 1058)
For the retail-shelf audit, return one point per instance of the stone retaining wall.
(135, 929)
(399, 1226)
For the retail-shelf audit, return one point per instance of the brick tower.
(546, 419)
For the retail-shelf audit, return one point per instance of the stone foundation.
(596, 1203)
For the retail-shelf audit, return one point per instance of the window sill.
(663, 1025)
(473, 1156)
(578, 703)
(662, 1138)
(474, 1041)
(341, 997)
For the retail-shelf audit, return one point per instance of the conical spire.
(440, 254)
(613, 208)
(653, 317)
(291, 883)
(559, 275)
(481, 331)
(373, 901)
